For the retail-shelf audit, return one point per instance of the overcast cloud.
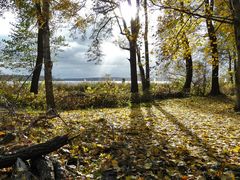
(72, 62)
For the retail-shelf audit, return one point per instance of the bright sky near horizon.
(6, 21)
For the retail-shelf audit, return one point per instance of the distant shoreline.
(23, 78)
(27, 78)
(91, 82)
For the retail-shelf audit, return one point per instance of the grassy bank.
(77, 96)
(90, 95)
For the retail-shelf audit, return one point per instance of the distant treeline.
(25, 77)
(6, 77)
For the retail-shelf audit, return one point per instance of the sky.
(72, 62)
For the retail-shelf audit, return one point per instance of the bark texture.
(235, 5)
(39, 61)
(43, 168)
(215, 89)
(47, 58)
(230, 67)
(188, 59)
(132, 36)
(33, 151)
(189, 66)
(141, 70)
(146, 46)
(133, 66)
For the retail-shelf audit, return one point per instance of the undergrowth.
(87, 95)
(75, 96)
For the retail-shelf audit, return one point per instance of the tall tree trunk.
(234, 64)
(204, 78)
(230, 67)
(236, 11)
(47, 58)
(132, 36)
(133, 66)
(146, 46)
(141, 69)
(135, 26)
(39, 61)
(215, 89)
(189, 66)
(188, 59)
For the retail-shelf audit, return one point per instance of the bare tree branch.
(221, 19)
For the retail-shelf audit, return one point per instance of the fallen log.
(21, 171)
(34, 151)
(8, 138)
(43, 168)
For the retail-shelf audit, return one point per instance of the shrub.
(106, 94)
(228, 88)
(81, 95)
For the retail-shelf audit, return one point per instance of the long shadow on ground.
(141, 147)
(141, 153)
(209, 172)
(199, 104)
(145, 152)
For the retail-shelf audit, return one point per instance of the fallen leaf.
(236, 149)
(2, 134)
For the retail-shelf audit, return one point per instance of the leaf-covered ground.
(191, 138)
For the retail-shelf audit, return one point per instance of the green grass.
(79, 96)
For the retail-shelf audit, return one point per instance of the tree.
(215, 89)
(226, 19)
(55, 43)
(235, 6)
(39, 60)
(46, 54)
(174, 31)
(230, 60)
(43, 12)
(188, 59)
(19, 49)
(146, 46)
(44, 51)
(130, 31)
(226, 39)
(188, 65)
(4, 5)
(132, 35)
(141, 70)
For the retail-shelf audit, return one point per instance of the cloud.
(6, 21)
(73, 61)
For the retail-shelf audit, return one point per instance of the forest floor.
(190, 138)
